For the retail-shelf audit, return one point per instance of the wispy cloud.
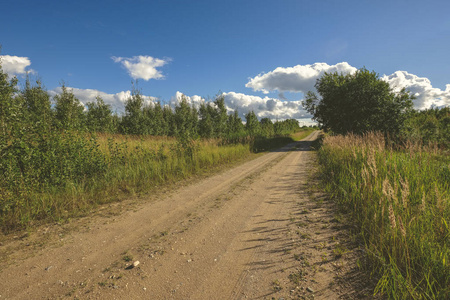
(142, 67)
(15, 65)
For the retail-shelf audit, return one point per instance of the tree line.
(33, 107)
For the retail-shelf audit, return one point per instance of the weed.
(339, 250)
(127, 258)
(276, 285)
(297, 277)
(301, 224)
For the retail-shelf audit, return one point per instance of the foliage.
(99, 117)
(69, 112)
(185, 120)
(214, 121)
(133, 120)
(399, 201)
(357, 103)
(252, 125)
(429, 126)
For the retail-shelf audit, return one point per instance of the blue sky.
(203, 47)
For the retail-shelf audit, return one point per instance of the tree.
(133, 120)
(235, 127)
(185, 119)
(9, 107)
(69, 112)
(99, 117)
(37, 105)
(267, 127)
(205, 124)
(357, 103)
(252, 124)
(220, 116)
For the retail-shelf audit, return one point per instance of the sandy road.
(235, 235)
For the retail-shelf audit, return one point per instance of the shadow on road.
(296, 146)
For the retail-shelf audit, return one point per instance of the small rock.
(133, 265)
(310, 290)
(189, 260)
(48, 268)
(144, 289)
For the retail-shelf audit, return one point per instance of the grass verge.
(399, 202)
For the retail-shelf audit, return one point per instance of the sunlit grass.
(400, 203)
(299, 135)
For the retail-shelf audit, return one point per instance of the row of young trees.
(33, 106)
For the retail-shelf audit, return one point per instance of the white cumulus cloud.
(195, 100)
(426, 95)
(265, 107)
(15, 65)
(117, 101)
(142, 67)
(300, 78)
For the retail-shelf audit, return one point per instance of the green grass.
(399, 200)
(301, 134)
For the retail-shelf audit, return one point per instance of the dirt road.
(249, 232)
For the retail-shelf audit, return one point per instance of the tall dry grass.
(400, 203)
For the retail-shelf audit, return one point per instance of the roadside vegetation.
(392, 176)
(399, 200)
(58, 159)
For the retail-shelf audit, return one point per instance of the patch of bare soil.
(254, 232)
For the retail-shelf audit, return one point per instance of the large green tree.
(357, 103)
